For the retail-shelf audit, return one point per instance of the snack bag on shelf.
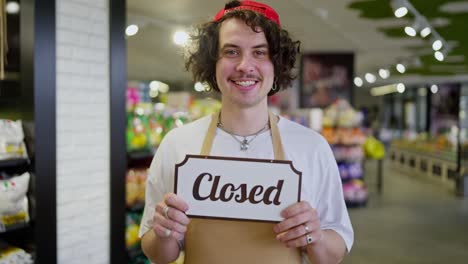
(358, 136)
(355, 192)
(343, 168)
(14, 202)
(14, 255)
(137, 132)
(355, 170)
(330, 114)
(141, 176)
(11, 140)
(131, 231)
(156, 127)
(330, 135)
(132, 188)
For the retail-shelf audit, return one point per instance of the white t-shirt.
(310, 153)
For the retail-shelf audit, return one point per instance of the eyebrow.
(229, 45)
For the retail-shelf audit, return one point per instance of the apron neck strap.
(275, 136)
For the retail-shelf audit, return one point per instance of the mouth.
(245, 85)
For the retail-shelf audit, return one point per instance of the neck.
(244, 121)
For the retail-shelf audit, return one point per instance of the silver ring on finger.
(309, 239)
(306, 228)
(166, 212)
(167, 232)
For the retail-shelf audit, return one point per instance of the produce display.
(341, 128)
(439, 146)
(147, 124)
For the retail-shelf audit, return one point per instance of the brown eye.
(230, 53)
(261, 53)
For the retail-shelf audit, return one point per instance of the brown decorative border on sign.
(299, 174)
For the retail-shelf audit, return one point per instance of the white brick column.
(83, 212)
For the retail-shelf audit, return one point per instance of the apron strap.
(275, 136)
(210, 134)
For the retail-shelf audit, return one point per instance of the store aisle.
(413, 221)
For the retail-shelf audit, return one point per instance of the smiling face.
(244, 70)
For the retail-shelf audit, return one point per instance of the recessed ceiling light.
(425, 32)
(437, 45)
(181, 38)
(131, 30)
(199, 87)
(434, 88)
(12, 8)
(400, 88)
(370, 78)
(384, 73)
(400, 68)
(401, 12)
(410, 31)
(439, 56)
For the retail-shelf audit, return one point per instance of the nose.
(246, 64)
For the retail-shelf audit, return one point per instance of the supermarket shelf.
(140, 158)
(436, 166)
(137, 207)
(16, 228)
(141, 154)
(445, 155)
(13, 163)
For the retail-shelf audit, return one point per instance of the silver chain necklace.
(244, 144)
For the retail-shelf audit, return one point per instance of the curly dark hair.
(201, 61)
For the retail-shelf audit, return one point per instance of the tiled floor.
(414, 220)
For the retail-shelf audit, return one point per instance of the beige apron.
(213, 241)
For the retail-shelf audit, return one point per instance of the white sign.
(236, 188)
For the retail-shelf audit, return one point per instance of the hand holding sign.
(169, 219)
(300, 227)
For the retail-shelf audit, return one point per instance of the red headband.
(263, 9)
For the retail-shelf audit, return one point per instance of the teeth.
(245, 83)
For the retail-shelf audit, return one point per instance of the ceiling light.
(12, 8)
(434, 88)
(370, 78)
(154, 85)
(181, 38)
(384, 73)
(400, 88)
(400, 68)
(439, 56)
(131, 30)
(383, 90)
(425, 32)
(410, 31)
(400, 7)
(401, 12)
(437, 45)
(358, 82)
(199, 87)
(159, 86)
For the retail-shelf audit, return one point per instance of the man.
(246, 55)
